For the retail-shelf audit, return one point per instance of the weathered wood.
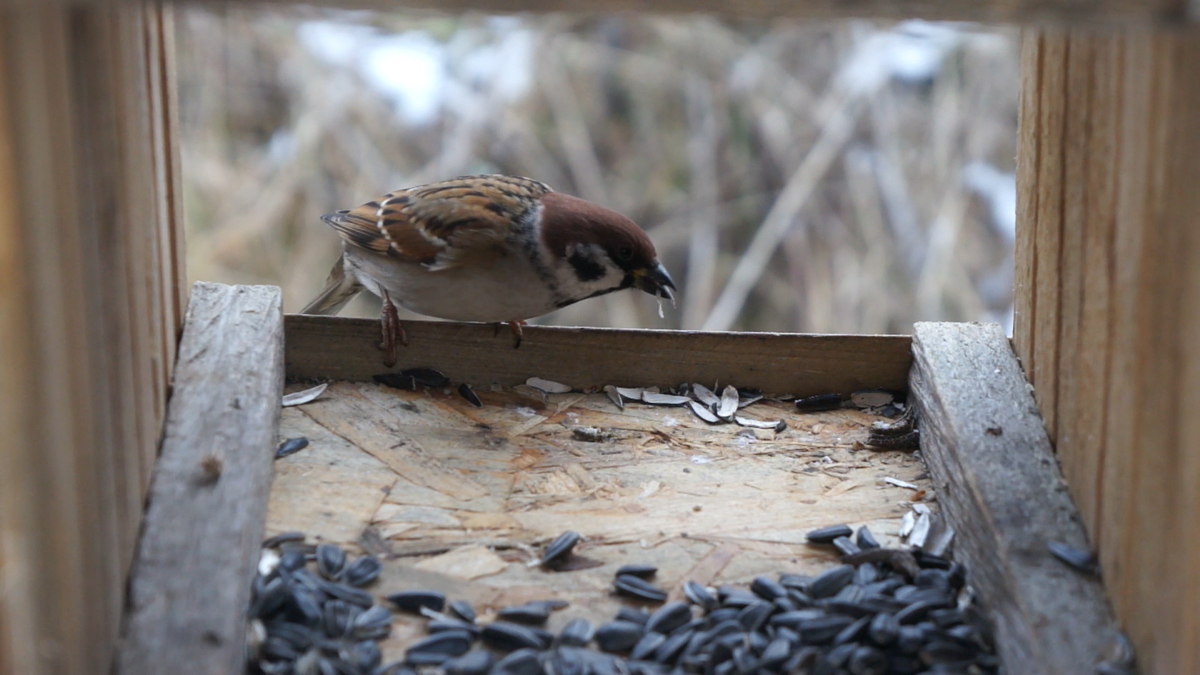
(464, 496)
(190, 583)
(1116, 307)
(996, 478)
(346, 349)
(1065, 11)
(83, 377)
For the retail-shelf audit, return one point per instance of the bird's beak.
(655, 281)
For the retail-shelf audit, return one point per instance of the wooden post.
(1108, 308)
(90, 262)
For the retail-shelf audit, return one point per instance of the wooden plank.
(345, 349)
(190, 582)
(1030, 142)
(715, 503)
(996, 477)
(1146, 12)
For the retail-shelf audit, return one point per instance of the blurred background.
(842, 177)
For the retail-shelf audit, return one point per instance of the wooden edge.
(1000, 486)
(320, 347)
(200, 541)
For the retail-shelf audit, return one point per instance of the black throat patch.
(586, 267)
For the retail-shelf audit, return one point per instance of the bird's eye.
(625, 252)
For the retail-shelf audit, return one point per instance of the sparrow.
(492, 248)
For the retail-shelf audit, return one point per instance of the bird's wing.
(441, 224)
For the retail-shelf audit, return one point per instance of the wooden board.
(779, 363)
(208, 498)
(460, 498)
(1067, 11)
(1000, 488)
(1108, 305)
(90, 288)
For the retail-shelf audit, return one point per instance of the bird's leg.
(496, 329)
(393, 332)
(515, 326)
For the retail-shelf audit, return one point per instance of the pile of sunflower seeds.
(882, 612)
(309, 614)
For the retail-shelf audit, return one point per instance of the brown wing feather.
(442, 223)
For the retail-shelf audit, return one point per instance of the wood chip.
(900, 483)
(703, 412)
(777, 425)
(706, 396)
(548, 386)
(871, 399)
(467, 562)
(729, 402)
(306, 396)
(664, 399)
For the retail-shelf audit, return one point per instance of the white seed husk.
(306, 396)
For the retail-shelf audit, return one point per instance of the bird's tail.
(339, 289)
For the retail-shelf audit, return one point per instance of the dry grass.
(781, 195)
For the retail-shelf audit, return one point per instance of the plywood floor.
(460, 498)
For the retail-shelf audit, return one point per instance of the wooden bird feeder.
(138, 417)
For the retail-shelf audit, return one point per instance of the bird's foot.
(393, 332)
(515, 327)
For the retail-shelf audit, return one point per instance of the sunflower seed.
(283, 538)
(413, 601)
(426, 377)
(777, 425)
(520, 662)
(291, 446)
(632, 615)
(373, 624)
(509, 637)
(631, 393)
(831, 581)
(664, 399)
(618, 636)
(337, 617)
(396, 381)
(646, 646)
(865, 539)
(669, 617)
(641, 589)
(845, 546)
(614, 396)
(706, 396)
(826, 535)
(465, 391)
(362, 571)
(643, 571)
(699, 595)
(463, 610)
(672, 646)
(548, 386)
(819, 403)
(444, 623)
(475, 662)
(306, 396)
(577, 633)
(330, 561)
(767, 588)
(438, 648)
(530, 614)
(729, 402)
(1080, 560)
(703, 412)
(560, 548)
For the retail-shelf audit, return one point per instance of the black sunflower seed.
(363, 656)
(852, 632)
(618, 636)
(463, 610)
(348, 593)
(292, 560)
(290, 447)
(865, 539)
(438, 648)
(523, 661)
(396, 381)
(753, 616)
(560, 548)
(822, 629)
(362, 571)
(633, 615)
(669, 650)
(1080, 560)
(767, 588)
(831, 581)
(426, 377)
(699, 595)
(465, 391)
(643, 571)
(884, 629)
(413, 601)
(529, 614)
(645, 647)
(444, 623)
(845, 546)
(474, 662)
(283, 538)
(373, 624)
(669, 617)
(331, 560)
(819, 403)
(337, 615)
(509, 637)
(639, 588)
(577, 633)
(826, 535)
(866, 660)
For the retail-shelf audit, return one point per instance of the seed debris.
(306, 396)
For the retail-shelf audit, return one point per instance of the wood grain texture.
(83, 381)
(191, 581)
(1123, 300)
(345, 349)
(996, 477)
(1066, 11)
